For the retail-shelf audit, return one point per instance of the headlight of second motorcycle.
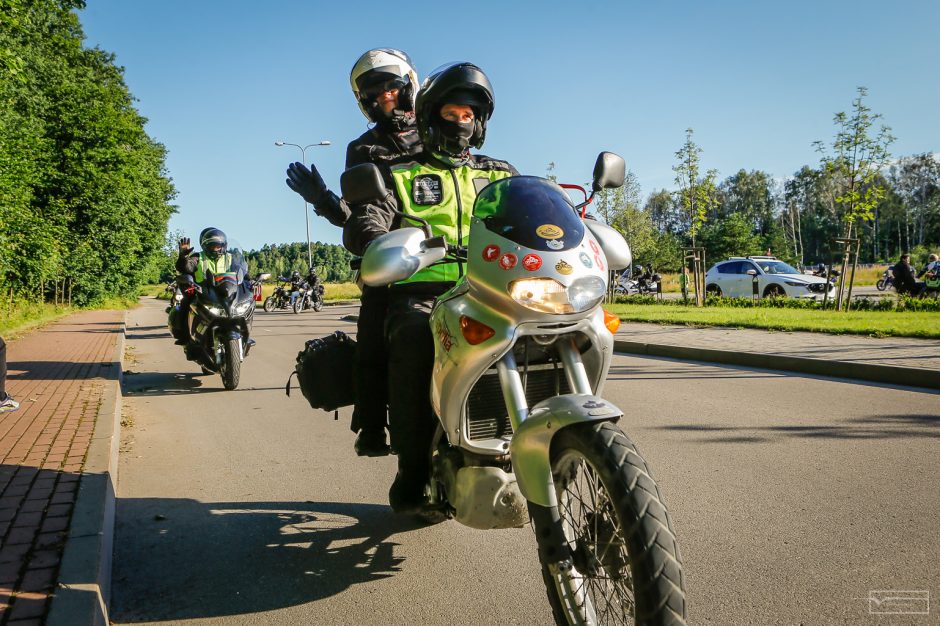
(242, 307)
(215, 310)
(550, 296)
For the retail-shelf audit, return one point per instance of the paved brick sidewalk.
(896, 351)
(58, 376)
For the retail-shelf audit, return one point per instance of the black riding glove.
(307, 182)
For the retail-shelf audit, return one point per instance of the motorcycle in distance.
(886, 280)
(309, 298)
(641, 282)
(521, 352)
(280, 299)
(219, 322)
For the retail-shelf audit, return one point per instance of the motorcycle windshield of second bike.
(530, 211)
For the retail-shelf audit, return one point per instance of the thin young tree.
(857, 155)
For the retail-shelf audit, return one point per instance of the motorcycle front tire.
(620, 535)
(880, 285)
(269, 304)
(318, 305)
(298, 305)
(231, 366)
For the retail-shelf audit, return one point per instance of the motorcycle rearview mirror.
(362, 183)
(609, 171)
(263, 276)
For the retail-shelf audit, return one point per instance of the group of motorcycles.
(522, 349)
(220, 313)
(308, 297)
(643, 281)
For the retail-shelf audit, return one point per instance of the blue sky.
(758, 82)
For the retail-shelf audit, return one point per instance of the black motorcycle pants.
(410, 363)
(371, 362)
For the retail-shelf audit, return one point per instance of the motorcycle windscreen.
(530, 211)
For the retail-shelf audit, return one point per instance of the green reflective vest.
(217, 267)
(445, 199)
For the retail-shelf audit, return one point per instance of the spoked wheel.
(880, 285)
(299, 305)
(231, 366)
(318, 305)
(625, 566)
(269, 304)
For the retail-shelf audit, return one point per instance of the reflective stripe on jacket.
(217, 266)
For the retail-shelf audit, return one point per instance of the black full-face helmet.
(380, 70)
(213, 242)
(456, 83)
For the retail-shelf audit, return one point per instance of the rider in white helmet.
(385, 84)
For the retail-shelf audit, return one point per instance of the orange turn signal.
(611, 321)
(473, 331)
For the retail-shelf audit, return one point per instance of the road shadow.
(181, 559)
(59, 370)
(869, 427)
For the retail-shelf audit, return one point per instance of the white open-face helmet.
(379, 70)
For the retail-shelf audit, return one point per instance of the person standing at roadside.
(7, 403)
(385, 85)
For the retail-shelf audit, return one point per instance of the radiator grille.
(486, 410)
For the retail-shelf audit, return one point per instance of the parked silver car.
(735, 278)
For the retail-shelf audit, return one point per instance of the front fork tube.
(553, 547)
(514, 391)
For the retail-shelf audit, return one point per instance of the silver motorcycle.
(522, 349)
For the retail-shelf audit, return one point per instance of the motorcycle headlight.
(215, 310)
(550, 296)
(242, 307)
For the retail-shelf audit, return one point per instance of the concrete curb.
(890, 374)
(83, 593)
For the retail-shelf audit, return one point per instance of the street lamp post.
(303, 158)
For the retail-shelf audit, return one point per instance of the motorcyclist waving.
(453, 107)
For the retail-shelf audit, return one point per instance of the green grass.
(873, 323)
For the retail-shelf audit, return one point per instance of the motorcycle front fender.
(531, 445)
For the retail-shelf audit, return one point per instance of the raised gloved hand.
(185, 246)
(307, 182)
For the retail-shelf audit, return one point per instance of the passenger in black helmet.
(385, 84)
(453, 107)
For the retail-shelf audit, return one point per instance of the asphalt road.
(794, 498)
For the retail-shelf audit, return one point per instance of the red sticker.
(594, 246)
(532, 262)
(599, 261)
(507, 261)
(490, 253)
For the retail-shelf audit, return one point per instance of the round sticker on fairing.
(599, 261)
(594, 248)
(563, 268)
(555, 244)
(585, 260)
(549, 231)
(507, 261)
(532, 262)
(490, 253)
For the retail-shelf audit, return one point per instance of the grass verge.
(873, 323)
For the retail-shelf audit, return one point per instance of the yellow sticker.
(563, 268)
(549, 231)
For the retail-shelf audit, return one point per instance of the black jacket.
(379, 146)
(904, 277)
